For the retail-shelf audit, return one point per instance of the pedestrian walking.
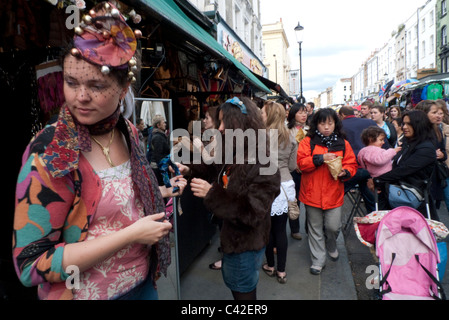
(241, 196)
(87, 200)
(365, 109)
(397, 123)
(378, 115)
(160, 147)
(434, 112)
(322, 194)
(353, 128)
(273, 115)
(297, 124)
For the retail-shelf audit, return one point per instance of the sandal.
(281, 279)
(269, 272)
(213, 266)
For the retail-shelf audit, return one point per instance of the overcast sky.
(338, 35)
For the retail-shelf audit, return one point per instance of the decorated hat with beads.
(105, 39)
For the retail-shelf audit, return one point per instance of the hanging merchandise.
(416, 96)
(149, 110)
(50, 85)
(446, 89)
(435, 91)
(424, 93)
(213, 82)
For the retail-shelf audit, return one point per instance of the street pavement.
(341, 280)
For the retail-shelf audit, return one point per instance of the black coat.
(393, 134)
(413, 164)
(160, 146)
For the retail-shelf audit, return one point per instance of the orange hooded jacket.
(318, 188)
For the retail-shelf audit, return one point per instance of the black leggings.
(278, 240)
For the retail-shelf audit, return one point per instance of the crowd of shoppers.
(87, 196)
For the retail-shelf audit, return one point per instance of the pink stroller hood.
(403, 235)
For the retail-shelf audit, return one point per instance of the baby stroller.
(408, 257)
(406, 246)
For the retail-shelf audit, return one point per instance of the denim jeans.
(446, 194)
(241, 270)
(144, 291)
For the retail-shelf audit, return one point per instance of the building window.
(432, 44)
(444, 36)
(443, 8)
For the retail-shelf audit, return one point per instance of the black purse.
(442, 172)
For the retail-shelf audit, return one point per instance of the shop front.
(182, 70)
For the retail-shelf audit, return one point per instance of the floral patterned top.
(117, 209)
(57, 196)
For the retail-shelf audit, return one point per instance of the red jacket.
(318, 188)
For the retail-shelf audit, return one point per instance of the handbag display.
(293, 208)
(402, 194)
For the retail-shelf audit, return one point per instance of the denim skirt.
(241, 270)
(144, 291)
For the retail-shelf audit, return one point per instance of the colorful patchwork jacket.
(50, 213)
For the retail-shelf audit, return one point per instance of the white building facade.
(341, 91)
(410, 53)
(242, 17)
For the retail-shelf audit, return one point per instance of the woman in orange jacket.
(321, 193)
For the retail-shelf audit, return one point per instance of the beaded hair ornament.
(105, 39)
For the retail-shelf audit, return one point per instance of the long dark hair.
(425, 106)
(291, 121)
(234, 119)
(322, 115)
(422, 127)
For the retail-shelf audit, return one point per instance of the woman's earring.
(122, 105)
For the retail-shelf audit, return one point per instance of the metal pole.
(175, 209)
(300, 74)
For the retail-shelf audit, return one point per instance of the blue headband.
(236, 102)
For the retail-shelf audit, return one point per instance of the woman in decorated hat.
(89, 219)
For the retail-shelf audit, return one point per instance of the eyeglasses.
(236, 102)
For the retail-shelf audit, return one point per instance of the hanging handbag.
(293, 208)
(402, 194)
(442, 172)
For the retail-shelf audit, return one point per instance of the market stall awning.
(441, 77)
(275, 87)
(170, 11)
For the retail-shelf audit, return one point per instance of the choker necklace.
(106, 149)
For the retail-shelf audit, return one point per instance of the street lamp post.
(298, 32)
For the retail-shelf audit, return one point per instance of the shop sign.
(234, 47)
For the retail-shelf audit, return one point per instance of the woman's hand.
(86, 254)
(183, 169)
(440, 155)
(179, 182)
(329, 156)
(200, 187)
(150, 229)
(370, 184)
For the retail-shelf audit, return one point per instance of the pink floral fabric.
(118, 208)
